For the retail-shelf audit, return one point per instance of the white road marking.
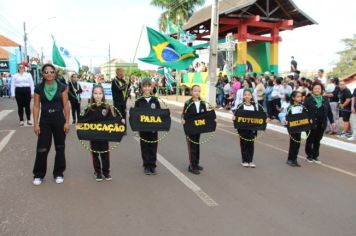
(6, 139)
(186, 181)
(4, 113)
(300, 156)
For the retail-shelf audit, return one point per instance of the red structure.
(250, 20)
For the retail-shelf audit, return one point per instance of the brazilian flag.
(168, 52)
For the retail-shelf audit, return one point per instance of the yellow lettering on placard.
(299, 122)
(199, 122)
(101, 127)
(249, 120)
(150, 119)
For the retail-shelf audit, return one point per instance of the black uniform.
(193, 148)
(120, 91)
(100, 167)
(74, 92)
(319, 117)
(247, 147)
(51, 123)
(148, 150)
(295, 138)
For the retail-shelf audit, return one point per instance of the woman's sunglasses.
(49, 72)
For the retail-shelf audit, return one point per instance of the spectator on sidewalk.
(269, 98)
(276, 97)
(260, 91)
(293, 65)
(332, 93)
(345, 109)
(321, 76)
(353, 117)
(286, 89)
(220, 93)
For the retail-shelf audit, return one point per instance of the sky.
(86, 28)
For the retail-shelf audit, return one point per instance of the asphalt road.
(226, 199)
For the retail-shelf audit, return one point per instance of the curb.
(350, 147)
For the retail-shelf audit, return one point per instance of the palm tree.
(177, 11)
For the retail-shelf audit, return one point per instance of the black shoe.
(107, 177)
(296, 164)
(200, 168)
(290, 163)
(153, 171)
(147, 171)
(194, 170)
(310, 160)
(98, 177)
(316, 160)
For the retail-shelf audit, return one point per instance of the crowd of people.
(273, 93)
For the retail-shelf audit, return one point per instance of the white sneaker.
(37, 181)
(22, 123)
(245, 164)
(59, 180)
(351, 139)
(252, 165)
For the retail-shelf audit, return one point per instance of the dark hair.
(321, 70)
(293, 95)
(248, 90)
(278, 81)
(336, 81)
(249, 82)
(73, 75)
(316, 83)
(48, 65)
(270, 83)
(146, 82)
(287, 97)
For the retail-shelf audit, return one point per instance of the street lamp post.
(27, 33)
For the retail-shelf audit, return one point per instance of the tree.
(347, 63)
(177, 11)
(136, 72)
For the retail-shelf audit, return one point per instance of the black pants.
(149, 150)
(51, 124)
(122, 110)
(275, 103)
(247, 147)
(312, 145)
(193, 151)
(270, 109)
(102, 167)
(23, 99)
(75, 110)
(261, 102)
(294, 147)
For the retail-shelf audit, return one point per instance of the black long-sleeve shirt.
(119, 90)
(319, 115)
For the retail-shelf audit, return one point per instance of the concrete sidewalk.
(327, 140)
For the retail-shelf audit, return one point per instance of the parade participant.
(119, 89)
(246, 136)
(74, 92)
(296, 107)
(22, 88)
(60, 78)
(332, 93)
(319, 109)
(148, 140)
(51, 98)
(99, 108)
(247, 84)
(194, 106)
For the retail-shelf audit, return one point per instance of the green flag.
(172, 28)
(168, 52)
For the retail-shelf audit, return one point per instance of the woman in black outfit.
(52, 98)
(319, 109)
(74, 91)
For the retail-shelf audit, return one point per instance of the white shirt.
(240, 96)
(197, 105)
(297, 110)
(19, 81)
(249, 107)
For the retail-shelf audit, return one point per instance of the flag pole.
(138, 44)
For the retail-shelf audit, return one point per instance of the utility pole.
(213, 52)
(109, 63)
(25, 40)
